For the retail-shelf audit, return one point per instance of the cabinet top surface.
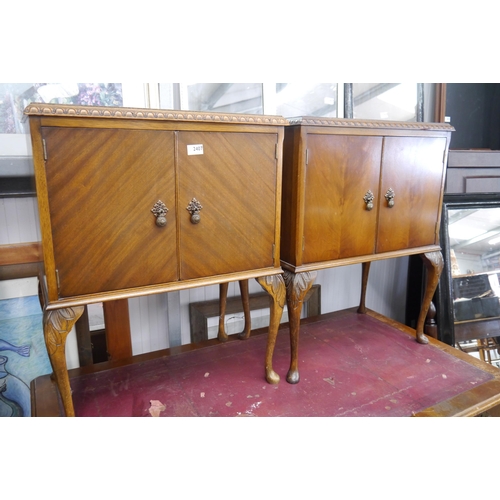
(365, 124)
(65, 110)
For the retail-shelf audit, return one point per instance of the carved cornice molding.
(353, 123)
(40, 109)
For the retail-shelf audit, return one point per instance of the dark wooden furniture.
(473, 171)
(138, 201)
(483, 328)
(355, 191)
(474, 110)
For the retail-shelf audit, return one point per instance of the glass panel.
(306, 99)
(385, 101)
(14, 97)
(223, 97)
(167, 96)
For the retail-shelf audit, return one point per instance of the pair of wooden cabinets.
(134, 202)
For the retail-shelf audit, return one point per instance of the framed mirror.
(468, 295)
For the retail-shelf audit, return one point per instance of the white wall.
(340, 289)
(19, 222)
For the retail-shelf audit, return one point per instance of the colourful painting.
(23, 355)
(14, 97)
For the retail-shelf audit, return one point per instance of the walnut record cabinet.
(355, 191)
(137, 201)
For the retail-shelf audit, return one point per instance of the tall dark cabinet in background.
(472, 185)
(474, 111)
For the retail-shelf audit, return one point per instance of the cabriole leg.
(275, 286)
(222, 335)
(57, 324)
(364, 282)
(433, 262)
(245, 299)
(297, 286)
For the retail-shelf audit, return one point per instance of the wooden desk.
(353, 365)
(138, 201)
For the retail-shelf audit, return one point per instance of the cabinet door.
(102, 185)
(233, 177)
(341, 169)
(413, 168)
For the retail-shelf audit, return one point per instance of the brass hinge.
(307, 156)
(276, 151)
(57, 281)
(44, 144)
(303, 243)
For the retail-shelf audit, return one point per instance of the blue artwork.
(23, 355)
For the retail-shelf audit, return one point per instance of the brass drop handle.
(368, 199)
(389, 196)
(194, 208)
(160, 211)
